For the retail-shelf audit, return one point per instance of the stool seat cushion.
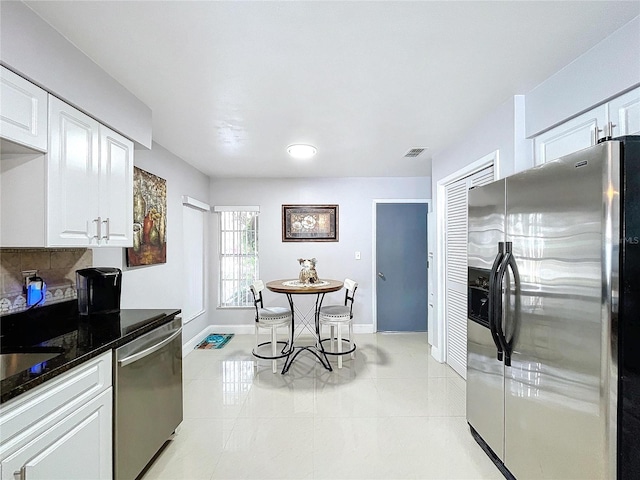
(274, 315)
(336, 313)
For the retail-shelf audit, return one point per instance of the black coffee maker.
(98, 290)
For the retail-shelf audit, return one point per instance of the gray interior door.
(401, 263)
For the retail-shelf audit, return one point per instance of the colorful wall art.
(149, 220)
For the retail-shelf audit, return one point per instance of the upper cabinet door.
(618, 117)
(116, 189)
(72, 184)
(23, 111)
(624, 113)
(571, 136)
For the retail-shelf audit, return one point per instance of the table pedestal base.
(318, 353)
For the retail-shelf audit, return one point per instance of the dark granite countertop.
(59, 328)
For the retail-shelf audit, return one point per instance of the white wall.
(32, 48)
(335, 259)
(607, 70)
(162, 286)
(501, 130)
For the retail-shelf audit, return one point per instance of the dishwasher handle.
(148, 351)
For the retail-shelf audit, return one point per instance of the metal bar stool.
(336, 316)
(270, 318)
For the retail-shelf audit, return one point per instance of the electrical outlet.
(26, 275)
(357, 255)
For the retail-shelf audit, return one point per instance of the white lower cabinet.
(75, 448)
(62, 429)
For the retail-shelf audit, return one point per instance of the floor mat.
(215, 340)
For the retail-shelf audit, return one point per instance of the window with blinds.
(238, 250)
(194, 262)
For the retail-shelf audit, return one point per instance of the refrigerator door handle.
(493, 298)
(508, 261)
(514, 320)
(502, 270)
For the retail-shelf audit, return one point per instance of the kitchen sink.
(17, 361)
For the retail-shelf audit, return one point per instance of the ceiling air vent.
(414, 152)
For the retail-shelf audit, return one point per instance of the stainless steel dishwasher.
(147, 397)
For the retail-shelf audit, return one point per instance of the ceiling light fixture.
(300, 151)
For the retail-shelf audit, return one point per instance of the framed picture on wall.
(149, 220)
(309, 223)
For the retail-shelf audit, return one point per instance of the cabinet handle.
(608, 130)
(107, 229)
(594, 134)
(20, 474)
(98, 222)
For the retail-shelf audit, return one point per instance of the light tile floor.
(392, 413)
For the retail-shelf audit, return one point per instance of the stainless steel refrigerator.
(553, 335)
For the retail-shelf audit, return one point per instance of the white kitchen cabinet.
(578, 133)
(90, 181)
(61, 429)
(72, 177)
(116, 189)
(620, 116)
(624, 113)
(77, 447)
(23, 111)
(80, 194)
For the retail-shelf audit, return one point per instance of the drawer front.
(28, 415)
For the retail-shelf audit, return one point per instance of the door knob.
(381, 275)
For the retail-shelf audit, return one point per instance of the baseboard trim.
(358, 328)
(437, 354)
(192, 343)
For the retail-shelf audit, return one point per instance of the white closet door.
(456, 216)
(481, 178)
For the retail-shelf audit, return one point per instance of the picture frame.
(149, 220)
(310, 223)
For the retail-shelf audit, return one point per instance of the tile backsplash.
(56, 266)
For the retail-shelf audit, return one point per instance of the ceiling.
(232, 83)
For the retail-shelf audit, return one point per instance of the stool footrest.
(285, 352)
(344, 340)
